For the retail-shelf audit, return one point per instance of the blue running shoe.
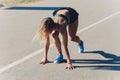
(81, 47)
(59, 58)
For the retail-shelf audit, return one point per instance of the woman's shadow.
(112, 62)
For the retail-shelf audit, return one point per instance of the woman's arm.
(46, 48)
(65, 47)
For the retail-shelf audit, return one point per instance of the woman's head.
(46, 27)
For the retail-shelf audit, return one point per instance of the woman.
(62, 18)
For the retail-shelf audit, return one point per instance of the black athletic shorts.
(73, 13)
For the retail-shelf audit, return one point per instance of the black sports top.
(73, 14)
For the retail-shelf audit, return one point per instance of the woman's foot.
(59, 58)
(81, 47)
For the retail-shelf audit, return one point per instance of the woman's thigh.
(72, 29)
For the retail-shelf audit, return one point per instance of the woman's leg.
(72, 29)
(57, 43)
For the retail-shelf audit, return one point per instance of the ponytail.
(46, 28)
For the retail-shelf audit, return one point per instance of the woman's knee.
(54, 35)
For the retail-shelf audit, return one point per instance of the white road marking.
(41, 50)
(98, 22)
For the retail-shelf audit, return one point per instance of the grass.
(16, 2)
(23, 1)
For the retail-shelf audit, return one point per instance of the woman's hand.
(69, 66)
(44, 61)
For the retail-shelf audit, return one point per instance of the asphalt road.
(99, 23)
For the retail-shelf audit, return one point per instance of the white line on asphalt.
(98, 22)
(41, 50)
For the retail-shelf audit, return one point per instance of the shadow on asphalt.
(31, 8)
(113, 62)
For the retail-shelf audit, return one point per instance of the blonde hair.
(46, 28)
